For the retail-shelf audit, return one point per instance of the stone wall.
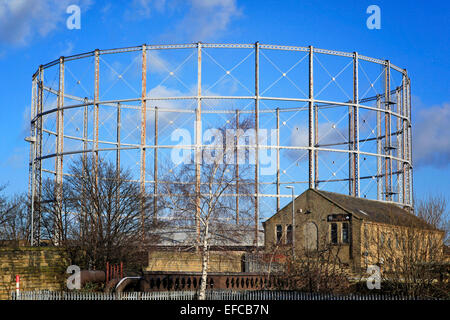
(191, 261)
(39, 268)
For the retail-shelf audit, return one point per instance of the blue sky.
(413, 35)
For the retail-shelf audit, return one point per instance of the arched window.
(310, 236)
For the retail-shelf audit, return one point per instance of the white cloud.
(163, 91)
(431, 136)
(68, 47)
(157, 63)
(300, 138)
(208, 19)
(202, 20)
(142, 9)
(21, 20)
(130, 119)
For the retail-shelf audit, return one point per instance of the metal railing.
(210, 295)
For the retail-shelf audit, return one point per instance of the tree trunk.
(205, 261)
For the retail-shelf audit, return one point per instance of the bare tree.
(433, 209)
(99, 213)
(58, 218)
(316, 270)
(14, 220)
(3, 205)
(208, 207)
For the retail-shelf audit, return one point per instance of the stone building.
(174, 249)
(361, 232)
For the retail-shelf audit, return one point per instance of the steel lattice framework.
(341, 121)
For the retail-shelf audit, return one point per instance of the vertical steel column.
(404, 138)
(410, 184)
(351, 155)
(356, 180)
(59, 150)
(32, 185)
(379, 152)
(399, 146)
(118, 146)
(96, 110)
(60, 127)
(198, 139)
(236, 150)
(85, 148)
(256, 142)
(311, 121)
(143, 134)
(118, 143)
(38, 167)
(387, 131)
(85, 128)
(96, 124)
(316, 153)
(278, 159)
(155, 170)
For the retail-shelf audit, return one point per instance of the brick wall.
(40, 268)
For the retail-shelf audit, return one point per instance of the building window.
(279, 232)
(345, 235)
(334, 233)
(310, 236)
(289, 234)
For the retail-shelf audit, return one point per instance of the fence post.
(18, 285)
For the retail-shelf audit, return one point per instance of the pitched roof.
(228, 236)
(376, 211)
